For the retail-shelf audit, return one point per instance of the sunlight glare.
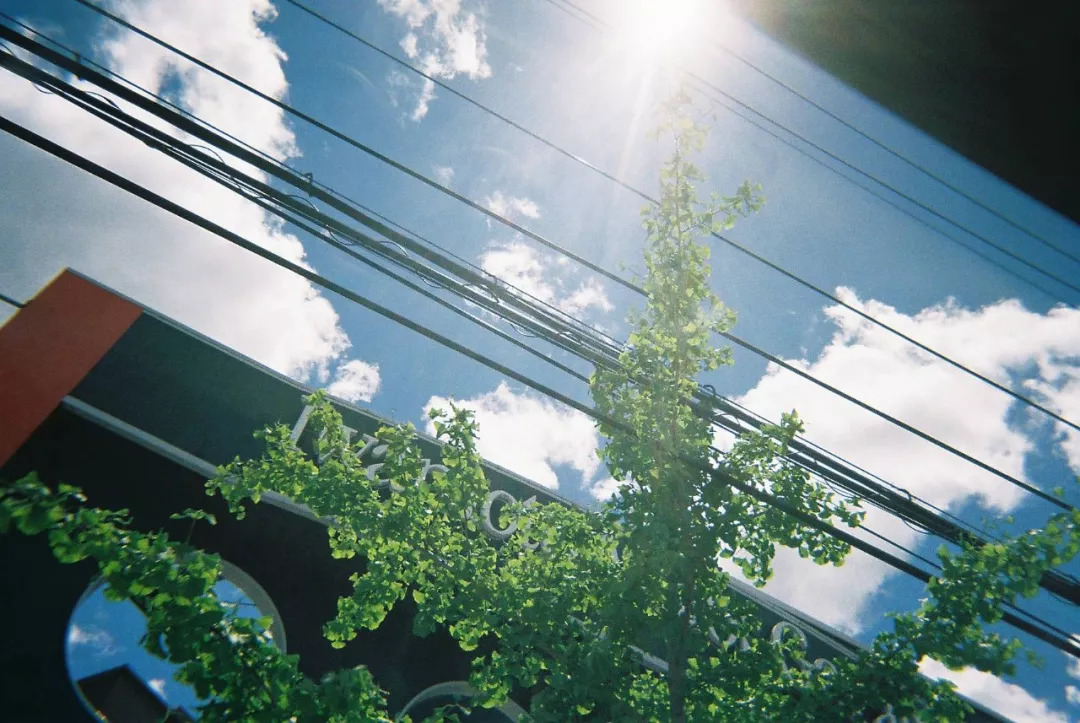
(658, 30)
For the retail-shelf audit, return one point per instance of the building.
(988, 78)
(137, 410)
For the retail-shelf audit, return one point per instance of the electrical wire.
(76, 57)
(596, 169)
(604, 25)
(1068, 645)
(556, 247)
(814, 469)
(12, 302)
(894, 152)
(157, 142)
(360, 146)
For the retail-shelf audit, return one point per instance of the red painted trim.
(49, 346)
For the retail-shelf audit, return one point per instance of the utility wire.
(556, 247)
(528, 132)
(1068, 645)
(604, 25)
(215, 168)
(1057, 581)
(582, 161)
(893, 151)
(39, 76)
(270, 159)
(641, 194)
(360, 146)
(987, 258)
(106, 84)
(12, 302)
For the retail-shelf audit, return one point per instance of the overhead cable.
(697, 78)
(11, 302)
(39, 76)
(891, 502)
(556, 247)
(1069, 645)
(360, 146)
(625, 185)
(894, 152)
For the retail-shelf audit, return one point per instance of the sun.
(658, 31)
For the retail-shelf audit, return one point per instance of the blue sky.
(104, 634)
(595, 96)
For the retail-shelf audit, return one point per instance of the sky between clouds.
(538, 66)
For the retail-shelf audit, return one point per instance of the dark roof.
(120, 695)
(996, 80)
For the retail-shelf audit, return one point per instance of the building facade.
(138, 410)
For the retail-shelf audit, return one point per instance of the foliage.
(625, 614)
(225, 658)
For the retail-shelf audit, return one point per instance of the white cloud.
(100, 641)
(423, 102)
(446, 40)
(1007, 699)
(589, 295)
(1060, 388)
(410, 44)
(603, 489)
(443, 174)
(529, 435)
(511, 206)
(540, 276)
(157, 685)
(1000, 340)
(55, 216)
(355, 381)
(1072, 669)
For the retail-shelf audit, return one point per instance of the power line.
(310, 180)
(11, 302)
(40, 76)
(1052, 581)
(216, 168)
(892, 151)
(813, 468)
(360, 146)
(582, 161)
(800, 446)
(1066, 644)
(1001, 249)
(627, 284)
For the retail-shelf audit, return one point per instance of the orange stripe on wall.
(49, 346)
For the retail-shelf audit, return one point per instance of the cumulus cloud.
(529, 435)
(55, 216)
(1007, 699)
(445, 39)
(157, 685)
(1072, 669)
(101, 642)
(511, 206)
(1059, 386)
(423, 101)
(603, 489)
(1001, 341)
(443, 174)
(539, 275)
(355, 381)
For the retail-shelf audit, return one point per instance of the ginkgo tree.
(621, 614)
